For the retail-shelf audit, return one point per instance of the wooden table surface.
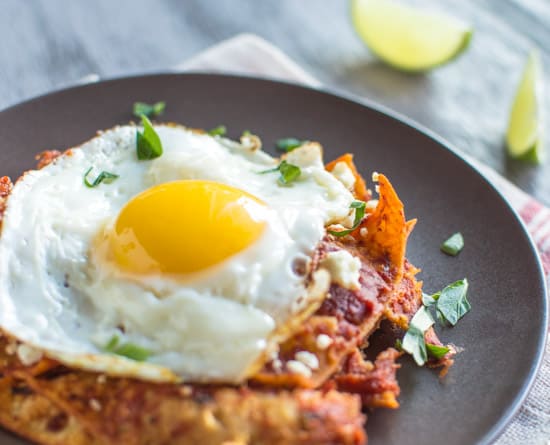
(48, 44)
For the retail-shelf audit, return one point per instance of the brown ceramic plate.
(502, 336)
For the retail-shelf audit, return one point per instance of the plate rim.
(505, 419)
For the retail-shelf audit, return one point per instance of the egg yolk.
(185, 226)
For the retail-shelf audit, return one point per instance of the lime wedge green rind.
(407, 38)
(524, 138)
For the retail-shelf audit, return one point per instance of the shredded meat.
(375, 383)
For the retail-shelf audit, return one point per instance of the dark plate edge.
(506, 418)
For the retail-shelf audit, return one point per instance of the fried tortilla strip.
(408, 298)
(118, 410)
(36, 418)
(386, 229)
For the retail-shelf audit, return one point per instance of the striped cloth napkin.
(250, 55)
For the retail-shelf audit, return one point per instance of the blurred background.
(49, 44)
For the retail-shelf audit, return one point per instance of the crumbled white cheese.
(337, 227)
(277, 364)
(323, 341)
(363, 231)
(251, 142)
(209, 420)
(186, 391)
(95, 405)
(11, 348)
(307, 155)
(371, 205)
(296, 367)
(307, 358)
(344, 268)
(375, 176)
(101, 379)
(28, 355)
(344, 174)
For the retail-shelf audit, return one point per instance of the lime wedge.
(524, 135)
(407, 38)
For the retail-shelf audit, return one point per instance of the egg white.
(58, 295)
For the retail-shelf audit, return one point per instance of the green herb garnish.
(436, 351)
(220, 130)
(128, 350)
(414, 342)
(104, 176)
(453, 245)
(430, 300)
(111, 344)
(452, 303)
(288, 144)
(359, 207)
(144, 109)
(133, 352)
(148, 143)
(289, 172)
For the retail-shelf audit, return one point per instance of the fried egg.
(198, 258)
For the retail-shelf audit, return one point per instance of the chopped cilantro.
(359, 207)
(453, 245)
(104, 176)
(414, 342)
(436, 351)
(288, 172)
(288, 144)
(128, 350)
(220, 130)
(148, 145)
(144, 109)
(430, 300)
(452, 303)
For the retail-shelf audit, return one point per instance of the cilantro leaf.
(142, 108)
(128, 350)
(430, 300)
(111, 344)
(436, 351)
(148, 145)
(220, 130)
(414, 342)
(133, 352)
(288, 144)
(104, 176)
(359, 207)
(289, 172)
(452, 303)
(422, 320)
(453, 245)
